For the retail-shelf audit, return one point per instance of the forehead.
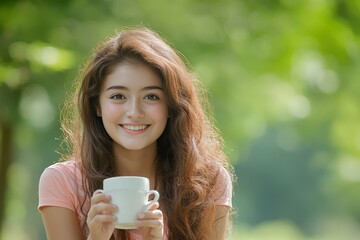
(132, 75)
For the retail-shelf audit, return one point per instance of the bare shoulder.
(219, 231)
(222, 211)
(223, 188)
(61, 223)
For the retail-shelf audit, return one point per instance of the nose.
(134, 110)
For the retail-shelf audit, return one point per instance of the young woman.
(139, 113)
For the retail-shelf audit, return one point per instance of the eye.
(152, 97)
(117, 97)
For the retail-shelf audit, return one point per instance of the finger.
(154, 206)
(103, 219)
(153, 223)
(100, 197)
(101, 209)
(99, 220)
(98, 191)
(104, 207)
(155, 214)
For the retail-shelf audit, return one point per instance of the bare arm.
(61, 223)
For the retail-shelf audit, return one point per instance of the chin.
(133, 147)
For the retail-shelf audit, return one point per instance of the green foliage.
(283, 81)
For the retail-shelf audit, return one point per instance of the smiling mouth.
(135, 127)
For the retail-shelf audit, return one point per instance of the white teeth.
(135, 128)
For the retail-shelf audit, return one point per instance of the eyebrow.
(118, 87)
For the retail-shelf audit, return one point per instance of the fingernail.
(98, 191)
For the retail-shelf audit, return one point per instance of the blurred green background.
(283, 78)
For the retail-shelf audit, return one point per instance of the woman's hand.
(100, 219)
(151, 223)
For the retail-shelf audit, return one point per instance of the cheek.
(110, 110)
(160, 114)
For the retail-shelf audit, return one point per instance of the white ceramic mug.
(131, 195)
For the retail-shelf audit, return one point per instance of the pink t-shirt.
(60, 185)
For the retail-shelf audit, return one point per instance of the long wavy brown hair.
(190, 150)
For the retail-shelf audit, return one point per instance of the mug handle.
(156, 198)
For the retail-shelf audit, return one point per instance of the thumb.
(154, 206)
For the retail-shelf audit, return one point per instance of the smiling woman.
(133, 107)
(140, 115)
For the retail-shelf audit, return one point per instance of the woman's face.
(133, 106)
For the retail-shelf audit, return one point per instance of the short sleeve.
(223, 188)
(55, 188)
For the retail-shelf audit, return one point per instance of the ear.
(98, 112)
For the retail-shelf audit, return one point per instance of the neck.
(136, 162)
